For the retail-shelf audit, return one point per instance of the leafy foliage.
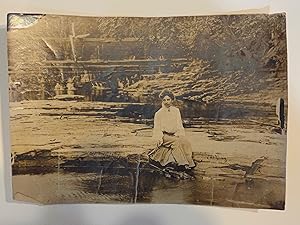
(229, 53)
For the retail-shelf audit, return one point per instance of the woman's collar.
(166, 108)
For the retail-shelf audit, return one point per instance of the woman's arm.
(157, 132)
(180, 128)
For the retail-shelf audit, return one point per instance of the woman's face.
(167, 101)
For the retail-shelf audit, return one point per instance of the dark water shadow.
(101, 177)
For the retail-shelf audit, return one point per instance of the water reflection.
(132, 181)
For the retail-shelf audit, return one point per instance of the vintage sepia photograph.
(169, 110)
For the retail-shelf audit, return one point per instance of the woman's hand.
(159, 142)
(179, 134)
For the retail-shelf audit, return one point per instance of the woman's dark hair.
(165, 93)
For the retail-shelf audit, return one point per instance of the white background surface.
(18, 213)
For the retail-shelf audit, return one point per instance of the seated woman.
(172, 146)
